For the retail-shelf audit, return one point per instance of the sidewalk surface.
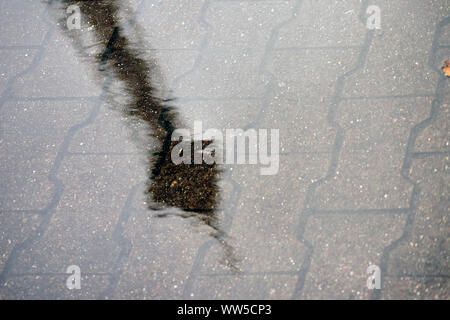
(364, 153)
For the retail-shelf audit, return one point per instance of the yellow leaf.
(446, 68)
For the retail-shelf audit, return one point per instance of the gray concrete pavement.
(364, 152)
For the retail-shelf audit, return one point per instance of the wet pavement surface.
(86, 176)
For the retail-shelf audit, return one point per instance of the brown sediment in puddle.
(192, 187)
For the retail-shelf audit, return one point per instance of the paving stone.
(52, 287)
(370, 162)
(17, 227)
(444, 39)
(436, 137)
(300, 102)
(429, 288)
(32, 133)
(173, 64)
(232, 73)
(59, 73)
(323, 24)
(405, 69)
(323, 67)
(259, 287)
(13, 63)
(23, 23)
(219, 114)
(79, 220)
(262, 233)
(173, 24)
(363, 172)
(249, 24)
(112, 133)
(153, 268)
(344, 247)
(420, 262)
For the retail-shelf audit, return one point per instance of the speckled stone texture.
(364, 153)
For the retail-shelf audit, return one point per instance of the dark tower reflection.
(190, 187)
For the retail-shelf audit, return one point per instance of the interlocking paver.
(32, 134)
(59, 73)
(153, 269)
(111, 134)
(368, 173)
(393, 67)
(173, 24)
(344, 246)
(436, 137)
(23, 23)
(363, 176)
(13, 63)
(324, 24)
(262, 233)
(264, 286)
(52, 286)
(17, 227)
(300, 103)
(418, 267)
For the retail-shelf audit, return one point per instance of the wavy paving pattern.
(364, 153)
